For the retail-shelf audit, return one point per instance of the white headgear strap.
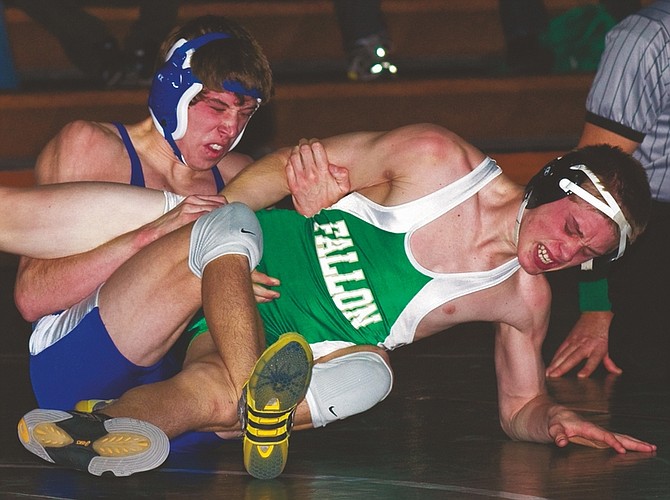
(611, 208)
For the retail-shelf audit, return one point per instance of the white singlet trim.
(409, 217)
(405, 217)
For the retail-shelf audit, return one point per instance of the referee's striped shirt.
(630, 95)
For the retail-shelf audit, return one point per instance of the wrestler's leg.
(63, 219)
(140, 312)
(198, 398)
(148, 301)
(336, 391)
(201, 397)
(232, 317)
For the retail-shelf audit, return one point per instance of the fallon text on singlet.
(349, 290)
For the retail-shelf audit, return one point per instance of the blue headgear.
(563, 177)
(174, 86)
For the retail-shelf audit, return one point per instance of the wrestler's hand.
(567, 427)
(587, 340)
(187, 211)
(314, 183)
(260, 283)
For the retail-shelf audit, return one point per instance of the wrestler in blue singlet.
(59, 385)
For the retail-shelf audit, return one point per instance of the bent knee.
(212, 392)
(348, 385)
(230, 229)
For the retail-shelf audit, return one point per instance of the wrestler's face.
(562, 234)
(214, 122)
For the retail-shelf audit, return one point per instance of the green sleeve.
(593, 296)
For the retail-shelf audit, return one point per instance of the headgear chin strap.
(558, 180)
(174, 86)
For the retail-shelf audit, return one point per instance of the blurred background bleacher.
(452, 72)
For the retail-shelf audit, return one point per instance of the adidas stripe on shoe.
(278, 382)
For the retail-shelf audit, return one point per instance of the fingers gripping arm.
(371, 159)
(314, 182)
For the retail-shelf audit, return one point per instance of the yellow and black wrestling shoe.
(93, 442)
(278, 382)
(91, 405)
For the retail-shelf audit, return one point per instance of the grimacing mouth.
(543, 254)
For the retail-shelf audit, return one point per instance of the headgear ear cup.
(174, 86)
(544, 186)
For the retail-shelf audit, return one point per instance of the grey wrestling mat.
(436, 436)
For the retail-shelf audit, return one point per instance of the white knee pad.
(347, 385)
(230, 229)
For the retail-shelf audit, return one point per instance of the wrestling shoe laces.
(93, 442)
(278, 382)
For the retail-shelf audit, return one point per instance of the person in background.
(91, 47)
(525, 24)
(365, 39)
(628, 105)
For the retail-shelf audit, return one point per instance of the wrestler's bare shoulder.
(415, 160)
(526, 302)
(81, 131)
(438, 149)
(82, 150)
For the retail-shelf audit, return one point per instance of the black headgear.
(544, 186)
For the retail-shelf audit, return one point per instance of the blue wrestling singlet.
(136, 173)
(73, 357)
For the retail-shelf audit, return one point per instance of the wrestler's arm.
(302, 171)
(45, 286)
(385, 166)
(588, 338)
(527, 412)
